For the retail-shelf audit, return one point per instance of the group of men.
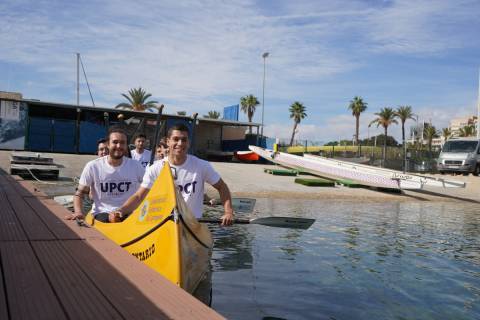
(118, 184)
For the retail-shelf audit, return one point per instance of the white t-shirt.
(189, 179)
(143, 158)
(111, 186)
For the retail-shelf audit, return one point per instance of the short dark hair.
(116, 130)
(103, 140)
(162, 143)
(179, 127)
(140, 135)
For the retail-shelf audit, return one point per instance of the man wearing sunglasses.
(190, 174)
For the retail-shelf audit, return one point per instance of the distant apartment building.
(458, 123)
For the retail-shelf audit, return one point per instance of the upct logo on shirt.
(144, 163)
(115, 188)
(187, 188)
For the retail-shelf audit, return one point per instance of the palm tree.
(385, 118)
(404, 113)
(468, 131)
(297, 113)
(212, 115)
(430, 133)
(137, 100)
(357, 106)
(446, 133)
(249, 103)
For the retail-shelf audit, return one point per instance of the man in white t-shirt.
(140, 153)
(190, 174)
(112, 179)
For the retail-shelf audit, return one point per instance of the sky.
(203, 55)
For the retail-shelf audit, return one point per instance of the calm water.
(358, 261)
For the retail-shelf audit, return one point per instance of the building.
(34, 125)
(457, 123)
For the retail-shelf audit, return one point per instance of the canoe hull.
(164, 234)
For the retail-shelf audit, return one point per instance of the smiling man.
(112, 179)
(190, 174)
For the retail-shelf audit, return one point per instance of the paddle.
(279, 222)
(241, 205)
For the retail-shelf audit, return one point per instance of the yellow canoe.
(164, 234)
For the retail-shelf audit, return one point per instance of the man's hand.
(115, 216)
(227, 219)
(75, 216)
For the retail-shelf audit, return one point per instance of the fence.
(418, 159)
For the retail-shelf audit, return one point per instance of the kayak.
(246, 156)
(360, 173)
(164, 234)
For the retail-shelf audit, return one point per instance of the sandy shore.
(249, 180)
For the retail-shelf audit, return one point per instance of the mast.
(78, 79)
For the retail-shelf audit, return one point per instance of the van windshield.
(460, 146)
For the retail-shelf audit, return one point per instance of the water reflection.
(232, 248)
(359, 260)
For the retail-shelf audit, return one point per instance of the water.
(414, 260)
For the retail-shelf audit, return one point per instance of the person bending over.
(111, 179)
(189, 172)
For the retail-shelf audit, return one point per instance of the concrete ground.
(249, 180)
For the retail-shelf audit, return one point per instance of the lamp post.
(264, 56)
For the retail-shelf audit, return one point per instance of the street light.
(264, 56)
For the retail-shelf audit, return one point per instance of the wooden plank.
(117, 290)
(23, 187)
(3, 298)
(173, 301)
(31, 223)
(54, 223)
(28, 291)
(82, 298)
(10, 226)
(60, 212)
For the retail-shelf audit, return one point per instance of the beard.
(116, 155)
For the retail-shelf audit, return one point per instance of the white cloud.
(202, 55)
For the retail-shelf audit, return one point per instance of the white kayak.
(363, 174)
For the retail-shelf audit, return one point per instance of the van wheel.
(477, 170)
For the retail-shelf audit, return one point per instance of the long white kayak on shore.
(363, 174)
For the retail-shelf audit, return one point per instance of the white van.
(460, 155)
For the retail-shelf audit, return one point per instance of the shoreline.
(249, 180)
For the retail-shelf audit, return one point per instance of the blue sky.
(203, 55)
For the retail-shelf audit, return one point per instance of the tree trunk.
(385, 147)
(250, 120)
(404, 148)
(293, 133)
(357, 125)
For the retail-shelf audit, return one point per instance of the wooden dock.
(54, 269)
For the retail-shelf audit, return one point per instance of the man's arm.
(226, 198)
(132, 203)
(78, 204)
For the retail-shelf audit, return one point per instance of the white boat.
(360, 173)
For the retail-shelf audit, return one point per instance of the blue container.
(64, 136)
(90, 133)
(40, 134)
